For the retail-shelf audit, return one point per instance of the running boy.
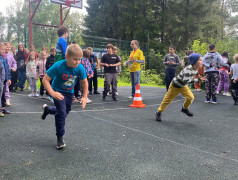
(64, 75)
(180, 85)
(212, 61)
(61, 45)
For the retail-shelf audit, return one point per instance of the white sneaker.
(31, 95)
(198, 90)
(88, 100)
(226, 94)
(108, 94)
(130, 97)
(116, 93)
(37, 95)
(218, 92)
(8, 102)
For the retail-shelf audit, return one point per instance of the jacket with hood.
(211, 61)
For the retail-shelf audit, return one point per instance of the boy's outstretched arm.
(84, 83)
(46, 82)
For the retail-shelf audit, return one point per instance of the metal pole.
(30, 22)
(148, 52)
(61, 15)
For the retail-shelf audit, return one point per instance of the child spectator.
(87, 66)
(32, 49)
(44, 48)
(13, 67)
(31, 65)
(61, 45)
(51, 59)
(64, 75)
(93, 82)
(234, 80)
(110, 61)
(179, 85)
(171, 61)
(114, 51)
(224, 76)
(212, 61)
(21, 67)
(41, 71)
(5, 78)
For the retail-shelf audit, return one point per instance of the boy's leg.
(95, 81)
(186, 92)
(221, 81)
(167, 78)
(114, 85)
(90, 85)
(208, 86)
(76, 89)
(107, 82)
(169, 97)
(214, 84)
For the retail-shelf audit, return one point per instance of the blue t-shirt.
(64, 77)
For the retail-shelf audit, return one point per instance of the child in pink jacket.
(41, 71)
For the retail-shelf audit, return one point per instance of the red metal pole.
(30, 22)
(61, 15)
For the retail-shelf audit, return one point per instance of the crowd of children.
(69, 71)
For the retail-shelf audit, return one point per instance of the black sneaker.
(158, 116)
(60, 143)
(45, 111)
(186, 111)
(96, 92)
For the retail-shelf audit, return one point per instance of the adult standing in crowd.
(134, 65)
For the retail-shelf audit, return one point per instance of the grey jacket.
(213, 60)
(173, 58)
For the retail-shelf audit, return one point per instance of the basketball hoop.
(69, 3)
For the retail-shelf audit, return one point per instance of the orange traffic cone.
(137, 101)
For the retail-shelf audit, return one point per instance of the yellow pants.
(172, 93)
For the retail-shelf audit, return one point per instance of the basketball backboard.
(70, 3)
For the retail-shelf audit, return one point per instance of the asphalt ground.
(110, 140)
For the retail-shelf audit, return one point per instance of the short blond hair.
(74, 50)
(2, 44)
(236, 57)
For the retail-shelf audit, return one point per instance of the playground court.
(109, 140)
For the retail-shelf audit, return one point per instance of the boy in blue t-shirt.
(64, 75)
(61, 45)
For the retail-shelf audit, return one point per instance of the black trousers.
(93, 82)
(14, 80)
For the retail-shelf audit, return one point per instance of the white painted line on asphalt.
(157, 137)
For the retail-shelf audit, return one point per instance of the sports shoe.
(214, 101)
(130, 97)
(37, 95)
(207, 100)
(226, 94)
(218, 92)
(4, 111)
(187, 112)
(1, 114)
(45, 111)
(158, 116)
(96, 92)
(60, 143)
(198, 89)
(88, 100)
(31, 95)
(116, 93)
(108, 94)
(103, 97)
(114, 99)
(8, 102)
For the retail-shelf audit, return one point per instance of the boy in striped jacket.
(179, 84)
